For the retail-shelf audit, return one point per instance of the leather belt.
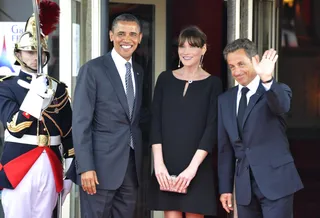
(41, 140)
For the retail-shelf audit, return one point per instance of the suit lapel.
(137, 79)
(116, 82)
(233, 109)
(253, 101)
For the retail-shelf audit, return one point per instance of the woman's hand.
(183, 180)
(162, 175)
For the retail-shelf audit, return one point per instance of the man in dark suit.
(106, 133)
(252, 144)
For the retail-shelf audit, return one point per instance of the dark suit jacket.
(101, 124)
(264, 146)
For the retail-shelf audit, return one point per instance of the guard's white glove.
(47, 101)
(39, 86)
(38, 97)
(67, 185)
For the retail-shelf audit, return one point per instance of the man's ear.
(140, 37)
(111, 35)
(257, 58)
(18, 54)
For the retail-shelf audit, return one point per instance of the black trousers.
(118, 203)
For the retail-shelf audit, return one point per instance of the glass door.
(266, 25)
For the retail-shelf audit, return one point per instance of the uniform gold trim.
(17, 128)
(56, 110)
(67, 132)
(4, 78)
(54, 122)
(61, 103)
(55, 79)
(43, 140)
(71, 152)
(65, 92)
(13, 127)
(44, 123)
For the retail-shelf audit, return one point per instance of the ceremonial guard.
(36, 114)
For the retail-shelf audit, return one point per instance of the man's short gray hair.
(244, 43)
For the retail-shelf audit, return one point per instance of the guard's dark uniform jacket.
(26, 138)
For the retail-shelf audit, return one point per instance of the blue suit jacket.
(264, 146)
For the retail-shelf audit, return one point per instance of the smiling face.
(190, 55)
(125, 36)
(241, 67)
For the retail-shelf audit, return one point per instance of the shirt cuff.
(267, 86)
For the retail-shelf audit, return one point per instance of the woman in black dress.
(184, 131)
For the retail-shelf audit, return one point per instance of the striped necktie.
(130, 96)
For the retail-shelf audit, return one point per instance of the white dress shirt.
(252, 86)
(120, 63)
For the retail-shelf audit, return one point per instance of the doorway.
(144, 56)
(150, 54)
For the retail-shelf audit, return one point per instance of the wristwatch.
(268, 81)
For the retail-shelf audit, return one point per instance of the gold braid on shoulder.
(4, 78)
(58, 104)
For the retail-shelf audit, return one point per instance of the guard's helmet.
(49, 17)
(28, 41)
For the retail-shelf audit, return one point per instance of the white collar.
(120, 61)
(252, 86)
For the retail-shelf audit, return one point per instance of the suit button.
(248, 149)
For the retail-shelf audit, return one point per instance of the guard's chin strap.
(26, 66)
(29, 68)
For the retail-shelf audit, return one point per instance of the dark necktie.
(242, 108)
(130, 96)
